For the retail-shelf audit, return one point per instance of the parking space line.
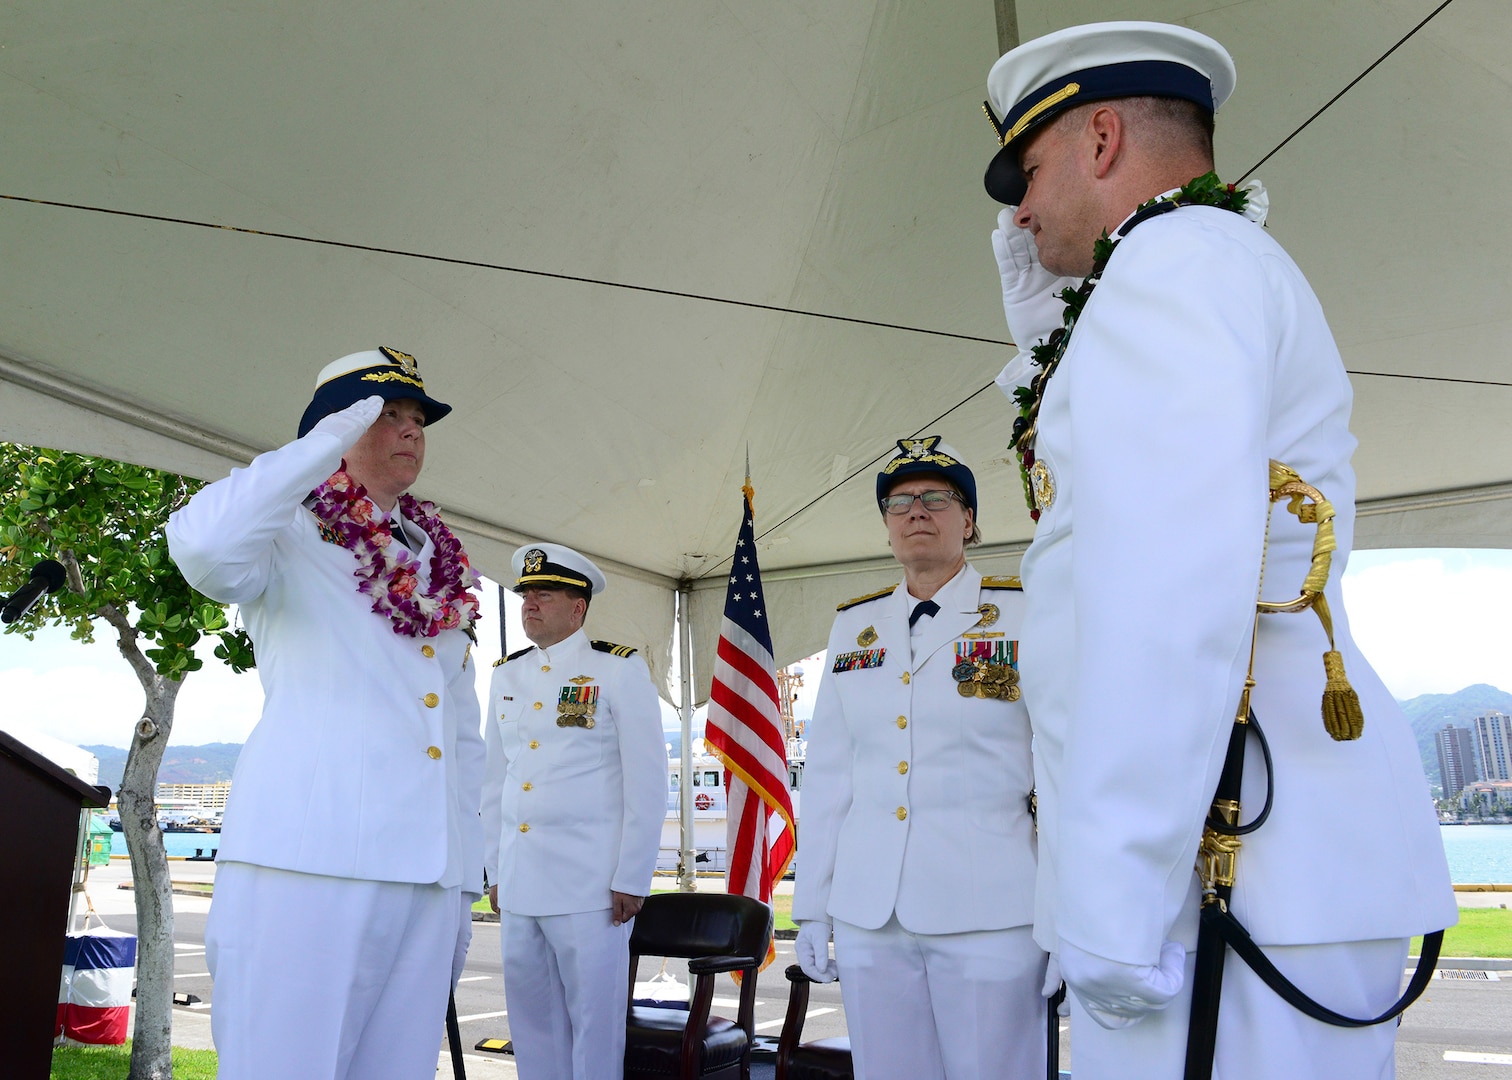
(482, 1016)
(778, 1022)
(1477, 1059)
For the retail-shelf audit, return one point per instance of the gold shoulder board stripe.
(863, 599)
(513, 656)
(501, 660)
(611, 648)
(1010, 581)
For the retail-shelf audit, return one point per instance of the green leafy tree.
(103, 520)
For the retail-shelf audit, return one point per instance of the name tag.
(859, 660)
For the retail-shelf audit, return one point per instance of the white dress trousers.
(959, 1006)
(353, 987)
(566, 989)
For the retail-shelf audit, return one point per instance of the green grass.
(1480, 932)
(114, 1062)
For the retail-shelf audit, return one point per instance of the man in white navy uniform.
(573, 804)
(352, 850)
(918, 841)
(1200, 355)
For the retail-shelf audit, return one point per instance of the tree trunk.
(152, 1037)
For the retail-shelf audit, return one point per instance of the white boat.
(709, 808)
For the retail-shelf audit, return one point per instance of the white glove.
(351, 423)
(1053, 984)
(1031, 294)
(464, 936)
(1117, 995)
(812, 948)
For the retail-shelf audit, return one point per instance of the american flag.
(745, 731)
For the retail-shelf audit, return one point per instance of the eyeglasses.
(934, 502)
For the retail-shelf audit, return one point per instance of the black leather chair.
(822, 1059)
(716, 933)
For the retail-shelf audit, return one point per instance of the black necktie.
(396, 530)
(922, 608)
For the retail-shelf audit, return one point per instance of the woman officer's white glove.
(1031, 294)
(812, 949)
(351, 423)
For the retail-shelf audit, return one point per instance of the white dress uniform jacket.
(916, 799)
(368, 752)
(1200, 356)
(571, 813)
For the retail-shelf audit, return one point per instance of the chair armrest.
(713, 965)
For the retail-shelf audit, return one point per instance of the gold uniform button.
(903, 767)
(902, 812)
(528, 785)
(902, 722)
(905, 678)
(545, 667)
(427, 652)
(524, 826)
(534, 745)
(434, 752)
(537, 705)
(431, 701)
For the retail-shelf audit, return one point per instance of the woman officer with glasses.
(918, 841)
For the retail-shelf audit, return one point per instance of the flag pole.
(687, 877)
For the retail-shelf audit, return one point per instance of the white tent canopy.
(816, 165)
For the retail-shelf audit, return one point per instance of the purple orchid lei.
(387, 571)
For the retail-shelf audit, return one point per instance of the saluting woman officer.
(918, 842)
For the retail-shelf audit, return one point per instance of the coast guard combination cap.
(1041, 79)
(389, 373)
(546, 566)
(927, 456)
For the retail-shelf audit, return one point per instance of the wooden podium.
(40, 804)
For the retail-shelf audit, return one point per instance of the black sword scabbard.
(1220, 847)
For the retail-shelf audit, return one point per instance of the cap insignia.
(916, 451)
(533, 560)
(407, 363)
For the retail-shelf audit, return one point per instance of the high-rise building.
(1493, 740)
(1456, 754)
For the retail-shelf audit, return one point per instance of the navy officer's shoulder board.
(859, 600)
(513, 656)
(1009, 581)
(611, 648)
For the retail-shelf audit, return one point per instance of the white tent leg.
(687, 878)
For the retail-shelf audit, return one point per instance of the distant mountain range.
(181, 764)
(1428, 713)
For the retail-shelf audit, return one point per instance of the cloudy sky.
(1431, 621)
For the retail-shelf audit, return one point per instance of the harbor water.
(1477, 853)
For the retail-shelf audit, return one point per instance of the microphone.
(46, 577)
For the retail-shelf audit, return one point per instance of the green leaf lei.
(1205, 190)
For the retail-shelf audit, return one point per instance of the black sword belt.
(1219, 930)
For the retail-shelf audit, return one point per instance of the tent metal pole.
(687, 878)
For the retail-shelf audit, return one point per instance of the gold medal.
(967, 689)
(1012, 693)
